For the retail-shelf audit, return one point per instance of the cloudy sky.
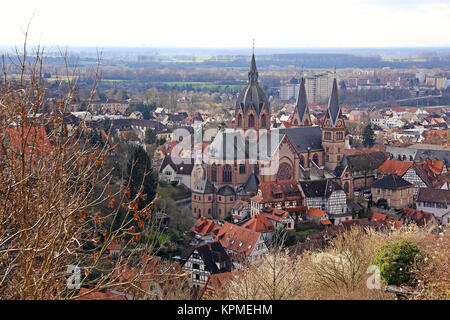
(228, 23)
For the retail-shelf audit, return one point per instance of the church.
(252, 153)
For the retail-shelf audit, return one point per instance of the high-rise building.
(319, 86)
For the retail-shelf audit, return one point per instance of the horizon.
(202, 24)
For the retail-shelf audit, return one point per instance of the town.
(218, 188)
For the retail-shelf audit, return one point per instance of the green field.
(202, 84)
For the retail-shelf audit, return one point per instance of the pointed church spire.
(333, 103)
(253, 73)
(302, 103)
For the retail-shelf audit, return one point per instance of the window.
(214, 173)
(226, 174)
(251, 121)
(327, 135)
(302, 161)
(316, 158)
(239, 121)
(242, 168)
(209, 198)
(339, 135)
(195, 266)
(263, 121)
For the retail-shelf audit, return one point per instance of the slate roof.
(251, 185)
(210, 254)
(182, 168)
(433, 195)
(365, 161)
(203, 186)
(392, 182)
(253, 94)
(333, 103)
(301, 104)
(319, 188)
(226, 190)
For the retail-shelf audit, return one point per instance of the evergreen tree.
(368, 136)
(141, 174)
(150, 136)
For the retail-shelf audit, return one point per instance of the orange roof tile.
(259, 223)
(36, 139)
(378, 217)
(237, 238)
(396, 167)
(325, 222)
(204, 226)
(316, 212)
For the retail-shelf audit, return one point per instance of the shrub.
(396, 259)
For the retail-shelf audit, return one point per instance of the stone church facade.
(302, 152)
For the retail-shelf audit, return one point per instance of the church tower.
(252, 105)
(301, 117)
(333, 131)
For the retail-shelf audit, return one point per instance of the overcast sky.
(228, 23)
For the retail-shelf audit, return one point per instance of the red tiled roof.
(259, 223)
(36, 139)
(421, 218)
(96, 295)
(397, 223)
(325, 222)
(205, 226)
(378, 217)
(396, 167)
(435, 166)
(237, 238)
(285, 189)
(275, 214)
(316, 212)
(257, 199)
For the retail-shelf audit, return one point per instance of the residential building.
(436, 201)
(395, 190)
(205, 260)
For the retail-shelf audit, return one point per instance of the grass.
(203, 84)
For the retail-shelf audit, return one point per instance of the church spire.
(253, 73)
(302, 103)
(333, 103)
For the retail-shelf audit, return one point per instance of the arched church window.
(316, 158)
(263, 121)
(302, 161)
(226, 173)
(251, 121)
(306, 122)
(239, 121)
(346, 187)
(214, 173)
(284, 172)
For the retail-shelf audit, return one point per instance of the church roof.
(226, 190)
(333, 103)
(301, 139)
(251, 184)
(302, 104)
(252, 94)
(204, 186)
